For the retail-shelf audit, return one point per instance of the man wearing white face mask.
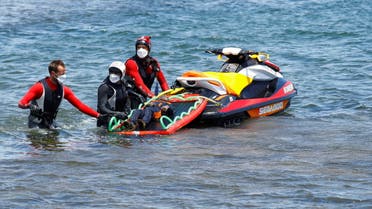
(45, 96)
(113, 97)
(142, 69)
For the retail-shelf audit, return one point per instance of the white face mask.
(62, 78)
(114, 78)
(142, 53)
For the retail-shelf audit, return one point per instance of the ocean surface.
(317, 154)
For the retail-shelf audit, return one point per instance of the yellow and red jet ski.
(247, 85)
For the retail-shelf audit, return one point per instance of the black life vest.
(49, 103)
(143, 64)
(117, 96)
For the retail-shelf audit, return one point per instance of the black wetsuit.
(112, 100)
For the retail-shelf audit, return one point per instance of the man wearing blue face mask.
(45, 96)
(142, 69)
(113, 97)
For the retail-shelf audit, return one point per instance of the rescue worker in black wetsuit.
(113, 97)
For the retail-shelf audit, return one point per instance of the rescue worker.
(113, 97)
(142, 69)
(45, 96)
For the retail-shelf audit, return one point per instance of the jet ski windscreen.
(229, 67)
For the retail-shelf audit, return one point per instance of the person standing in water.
(113, 98)
(45, 96)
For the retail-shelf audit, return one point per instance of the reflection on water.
(114, 139)
(46, 140)
(126, 143)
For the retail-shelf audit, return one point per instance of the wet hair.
(53, 66)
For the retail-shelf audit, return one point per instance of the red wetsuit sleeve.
(70, 96)
(133, 72)
(34, 92)
(162, 81)
(161, 78)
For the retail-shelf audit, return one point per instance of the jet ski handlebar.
(231, 51)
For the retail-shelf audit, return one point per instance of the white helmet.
(117, 65)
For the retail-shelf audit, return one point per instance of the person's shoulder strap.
(155, 64)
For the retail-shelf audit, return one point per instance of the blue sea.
(317, 154)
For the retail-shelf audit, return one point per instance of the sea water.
(317, 154)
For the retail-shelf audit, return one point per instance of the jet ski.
(247, 85)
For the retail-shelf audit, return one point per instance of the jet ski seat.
(260, 73)
(226, 82)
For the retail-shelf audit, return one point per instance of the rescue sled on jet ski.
(185, 107)
(247, 85)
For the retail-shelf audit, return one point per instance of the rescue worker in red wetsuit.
(45, 96)
(113, 98)
(142, 69)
